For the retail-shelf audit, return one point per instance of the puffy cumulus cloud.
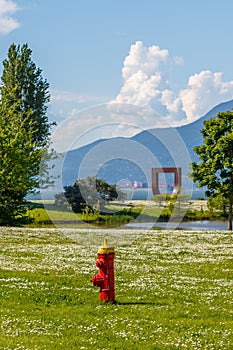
(146, 100)
(143, 59)
(146, 83)
(7, 22)
(204, 91)
(147, 88)
(143, 79)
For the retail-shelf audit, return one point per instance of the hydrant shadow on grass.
(135, 303)
(115, 302)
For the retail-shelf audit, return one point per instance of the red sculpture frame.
(155, 179)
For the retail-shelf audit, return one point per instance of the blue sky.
(174, 56)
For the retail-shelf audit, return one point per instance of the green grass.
(173, 290)
(113, 215)
(116, 214)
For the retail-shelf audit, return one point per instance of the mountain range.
(129, 160)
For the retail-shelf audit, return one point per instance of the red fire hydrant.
(105, 278)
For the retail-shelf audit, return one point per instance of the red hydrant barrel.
(105, 278)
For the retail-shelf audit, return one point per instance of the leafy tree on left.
(24, 132)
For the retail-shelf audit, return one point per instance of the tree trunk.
(230, 214)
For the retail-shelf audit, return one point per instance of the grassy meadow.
(115, 214)
(174, 290)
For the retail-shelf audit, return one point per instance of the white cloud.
(66, 104)
(178, 60)
(146, 83)
(7, 6)
(142, 76)
(66, 96)
(141, 58)
(204, 91)
(103, 121)
(7, 22)
(146, 100)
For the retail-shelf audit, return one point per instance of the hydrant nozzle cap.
(105, 248)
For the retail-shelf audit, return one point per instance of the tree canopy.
(26, 91)
(215, 168)
(89, 192)
(24, 131)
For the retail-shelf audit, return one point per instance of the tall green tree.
(24, 88)
(215, 168)
(24, 132)
(19, 159)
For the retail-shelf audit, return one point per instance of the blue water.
(146, 193)
(204, 225)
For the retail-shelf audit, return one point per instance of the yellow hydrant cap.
(105, 248)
